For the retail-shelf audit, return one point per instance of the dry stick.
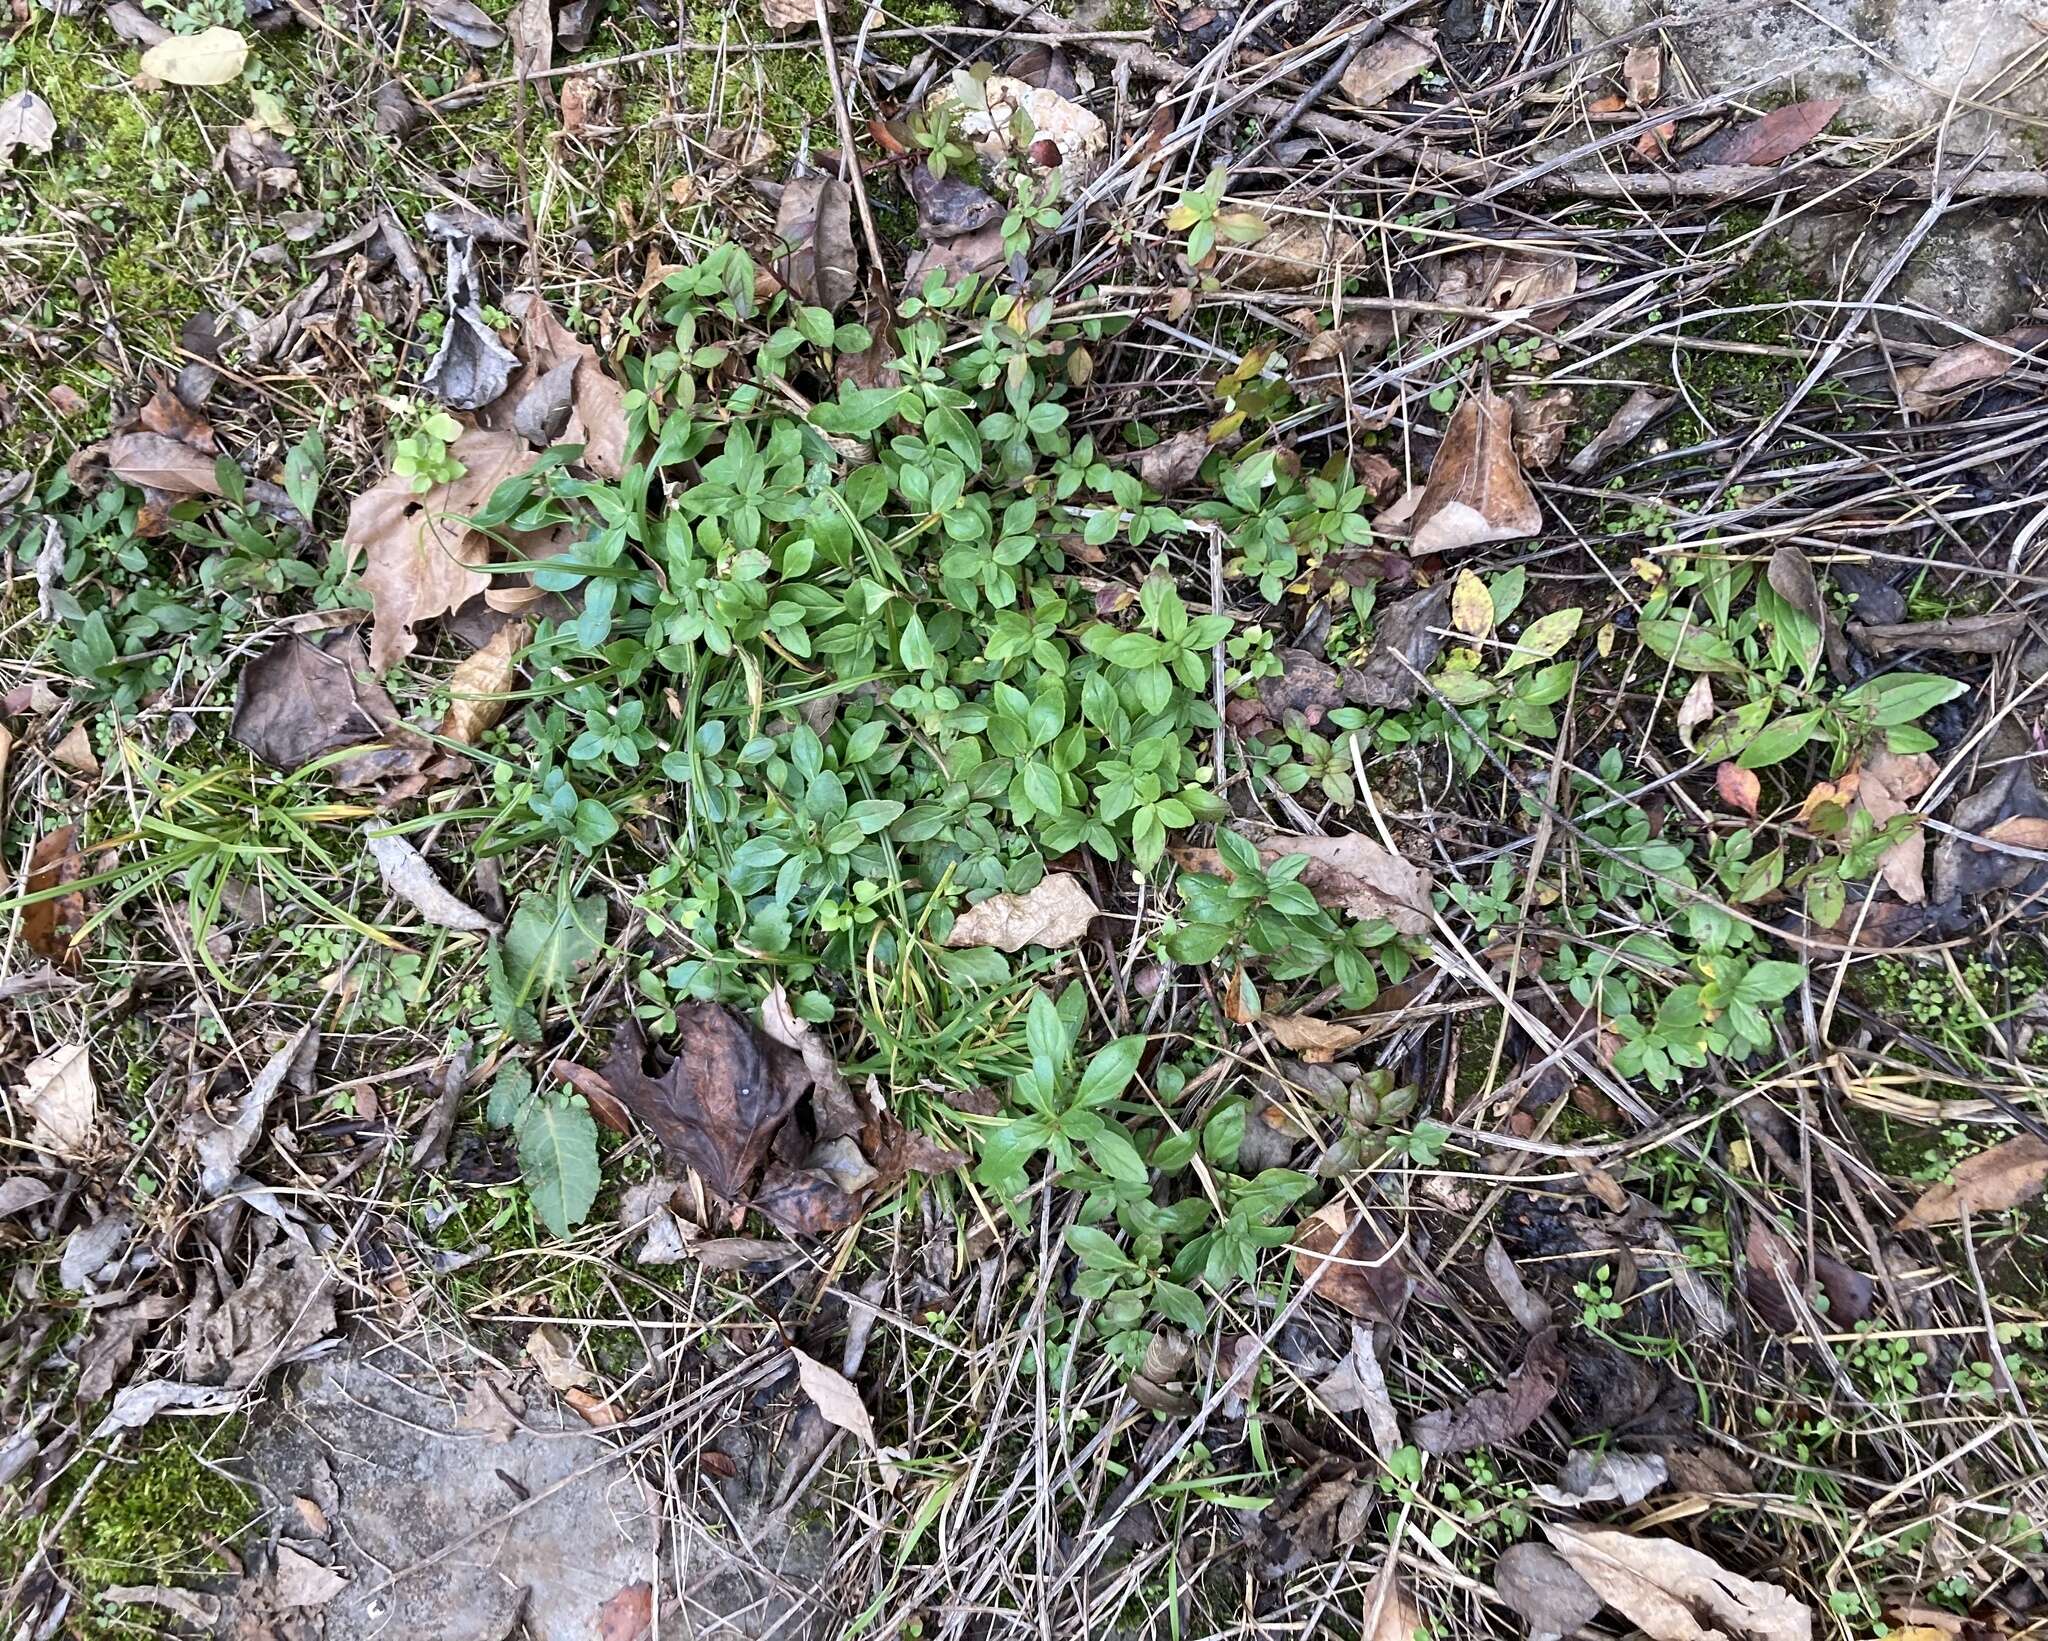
(849, 164)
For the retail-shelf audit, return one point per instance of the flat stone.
(458, 1516)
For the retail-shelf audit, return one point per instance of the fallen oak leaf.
(1667, 1589)
(1054, 914)
(2011, 1173)
(1475, 492)
(420, 555)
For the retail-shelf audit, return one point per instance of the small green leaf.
(511, 1089)
(558, 1157)
(1779, 740)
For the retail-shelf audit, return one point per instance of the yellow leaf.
(211, 57)
(1471, 606)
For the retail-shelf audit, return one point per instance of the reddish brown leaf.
(50, 926)
(169, 415)
(1739, 788)
(1495, 1416)
(604, 1105)
(718, 1102)
(806, 1201)
(2007, 1175)
(1775, 136)
(629, 1615)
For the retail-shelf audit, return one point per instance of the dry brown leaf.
(75, 753)
(1776, 136)
(159, 463)
(1056, 913)
(1672, 1592)
(1513, 277)
(61, 1101)
(815, 220)
(597, 415)
(834, 1396)
(788, 16)
(1342, 1259)
(166, 413)
(1965, 366)
(1885, 789)
(1739, 788)
(1294, 254)
(1350, 872)
(1638, 411)
(1388, 64)
(1317, 1041)
(1540, 1585)
(1541, 424)
(50, 926)
(1697, 708)
(1389, 1613)
(627, 1615)
(719, 1102)
(477, 688)
(1495, 1416)
(307, 696)
(1476, 492)
(2010, 1173)
(553, 1354)
(26, 122)
(419, 550)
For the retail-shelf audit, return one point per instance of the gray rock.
(461, 1517)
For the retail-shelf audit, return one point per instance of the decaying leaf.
(1697, 708)
(1541, 423)
(1495, 1416)
(1775, 136)
(471, 368)
(61, 1100)
(1642, 73)
(1351, 873)
(465, 21)
(1388, 64)
(1889, 783)
(1342, 1259)
(1406, 643)
(1776, 1273)
(1602, 1478)
(789, 16)
(1672, 1592)
(1056, 913)
(298, 1581)
(1317, 1041)
(220, 1144)
(51, 926)
(1531, 1314)
(1923, 388)
(1476, 492)
(1295, 253)
(957, 257)
(407, 875)
(595, 416)
(159, 463)
(213, 56)
(1739, 788)
(627, 1615)
(717, 1104)
(1172, 464)
(834, 1396)
(531, 24)
(1637, 412)
(1357, 1385)
(478, 687)
(2011, 1173)
(950, 205)
(420, 554)
(1390, 1614)
(284, 1309)
(815, 220)
(25, 122)
(553, 1354)
(1540, 1585)
(307, 696)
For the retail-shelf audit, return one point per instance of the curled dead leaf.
(1475, 492)
(2011, 1173)
(1056, 913)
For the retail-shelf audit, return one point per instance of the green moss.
(157, 1514)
